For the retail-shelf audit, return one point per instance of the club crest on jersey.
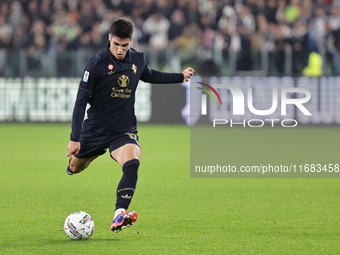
(86, 76)
(134, 68)
(123, 81)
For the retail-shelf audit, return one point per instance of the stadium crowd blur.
(57, 37)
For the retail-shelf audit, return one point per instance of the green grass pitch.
(177, 214)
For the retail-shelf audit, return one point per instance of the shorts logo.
(133, 136)
(86, 76)
(123, 81)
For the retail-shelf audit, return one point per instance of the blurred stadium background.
(55, 38)
(45, 44)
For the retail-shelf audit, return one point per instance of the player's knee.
(78, 165)
(76, 168)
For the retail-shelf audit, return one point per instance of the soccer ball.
(79, 225)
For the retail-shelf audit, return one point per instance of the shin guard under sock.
(127, 184)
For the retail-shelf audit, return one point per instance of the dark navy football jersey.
(109, 85)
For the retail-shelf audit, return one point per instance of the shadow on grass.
(55, 242)
(90, 240)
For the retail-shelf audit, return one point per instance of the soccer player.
(109, 84)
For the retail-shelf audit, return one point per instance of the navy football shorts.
(93, 144)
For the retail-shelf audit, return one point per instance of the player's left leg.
(126, 153)
(128, 157)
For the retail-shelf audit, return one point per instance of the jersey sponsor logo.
(121, 93)
(123, 81)
(86, 76)
(134, 68)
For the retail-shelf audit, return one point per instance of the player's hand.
(73, 148)
(188, 73)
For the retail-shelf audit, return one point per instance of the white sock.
(119, 211)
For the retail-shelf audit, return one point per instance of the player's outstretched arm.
(73, 148)
(188, 73)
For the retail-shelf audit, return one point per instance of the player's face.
(119, 46)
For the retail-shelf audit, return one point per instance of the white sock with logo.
(119, 211)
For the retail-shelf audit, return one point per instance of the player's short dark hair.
(122, 28)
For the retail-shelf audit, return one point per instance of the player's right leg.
(92, 145)
(77, 165)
